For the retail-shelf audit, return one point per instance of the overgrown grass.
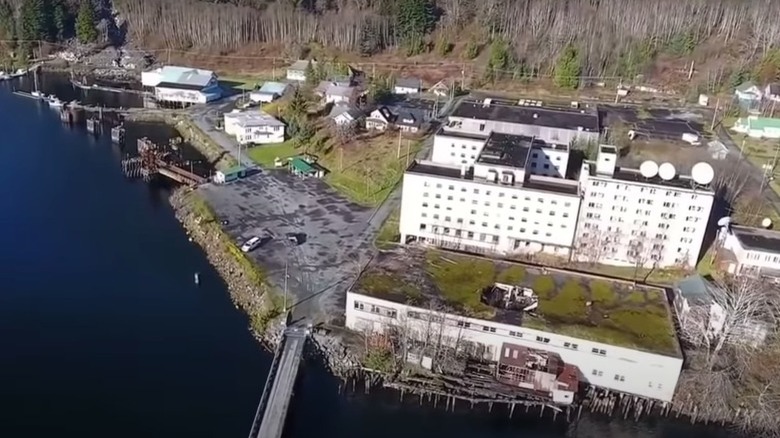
(388, 235)
(386, 285)
(461, 281)
(513, 275)
(265, 155)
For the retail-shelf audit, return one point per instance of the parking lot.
(333, 236)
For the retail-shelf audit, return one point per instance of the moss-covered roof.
(570, 304)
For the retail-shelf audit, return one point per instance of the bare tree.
(344, 132)
(593, 245)
(738, 312)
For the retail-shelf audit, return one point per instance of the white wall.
(253, 134)
(547, 134)
(330, 98)
(548, 162)
(456, 150)
(644, 374)
(296, 75)
(751, 259)
(405, 90)
(150, 78)
(674, 221)
(177, 95)
(466, 214)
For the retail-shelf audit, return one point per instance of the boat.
(18, 73)
(53, 101)
(4, 76)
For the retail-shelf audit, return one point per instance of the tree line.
(26, 21)
(589, 37)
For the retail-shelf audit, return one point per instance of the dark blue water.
(104, 334)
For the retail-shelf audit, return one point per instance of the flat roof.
(506, 150)
(171, 74)
(619, 314)
(509, 112)
(757, 239)
(442, 132)
(254, 118)
(550, 184)
(635, 176)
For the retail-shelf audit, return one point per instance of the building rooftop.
(340, 108)
(184, 76)
(301, 64)
(459, 134)
(618, 314)
(408, 83)
(635, 176)
(757, 239)
(273, 88)
(506, 150)
(762, 123)
(695, 289)
(254, 118)
(509, 112)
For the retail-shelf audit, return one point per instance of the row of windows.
(470, 234)
(496, 226)
(488, 192)
(767, 257)
(652, 191)
(499, 205)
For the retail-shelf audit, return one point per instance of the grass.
(388, 235)
(569, 304)
(387, 285)
(265, 155)
(244, 82)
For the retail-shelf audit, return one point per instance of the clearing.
(618, 314)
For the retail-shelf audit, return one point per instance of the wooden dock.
(78, 84)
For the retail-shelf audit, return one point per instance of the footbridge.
(275, 401)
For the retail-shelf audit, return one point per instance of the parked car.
(251, 244)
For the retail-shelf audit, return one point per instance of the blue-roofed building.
(182, 85)
(269, 92)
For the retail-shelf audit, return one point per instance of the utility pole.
(285, 284)
(168, 51)
(715, 114)
(408, 146)
(398, 151)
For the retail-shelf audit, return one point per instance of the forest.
(569, 38)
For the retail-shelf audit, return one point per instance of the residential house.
(380, 119)
(297, 71)
(182, 85)
(749, 92)
(772, 92)
(748, 250)
(254, 127)
(406, 121)
(407, 86)
(758, 127)
(335, 93)
(269, 92)
(717, 150)
(693, 299)
(344, 114)
(440, 89)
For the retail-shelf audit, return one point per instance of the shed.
(269, 92)
(407, 86)
(300, 167)
(228, 175)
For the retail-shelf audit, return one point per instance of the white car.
(250, 244)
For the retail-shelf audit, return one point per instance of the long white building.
(182, 85)
(503, 203)
(651, 374)
(654, 218)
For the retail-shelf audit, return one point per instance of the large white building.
(526, 118)
(631, 218)
(750, 251)
(182, 85)
(643, 372)
(502, 203)
(254, 127)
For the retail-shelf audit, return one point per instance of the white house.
(758, 127)
(182, 85)
(749, 92)
(344, 114)
(696, 293)
(772, 92)
(651, 374)
(440, 89)
(751, 251)
(254, 127)
(269, 92)
(335, 93)
(380, 119)
(297, 71)
(628, 218)
(407, 86)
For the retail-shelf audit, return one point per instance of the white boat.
(4, 76)
(54, 101)
(36, 93)
(19, 72)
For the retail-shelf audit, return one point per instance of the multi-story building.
(254, 127)
(635, 359)
(633, 219)
(526, 118)
(512, 200)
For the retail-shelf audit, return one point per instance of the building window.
(541, 339)
(570, 345)
(464, 324)
(599, 352)
(358, 305)
(597, 373)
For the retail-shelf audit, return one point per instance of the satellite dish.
(766, 223)
(702, 173)
(724, 221)
(649, 169)
(667, 171)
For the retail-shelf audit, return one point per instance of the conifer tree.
(86, 30)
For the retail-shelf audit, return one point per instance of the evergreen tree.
(415, 19)
(7, 22)
(60, 19)
(567, 69)
(368, 40)
(32, 21)
(86, 30)
(310, 74)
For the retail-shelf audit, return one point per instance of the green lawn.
(265, 155)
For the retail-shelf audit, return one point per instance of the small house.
(407, 86)
(228, 175)
(758, 127)
(772, 92)
(344, 114)
(749, 92)
(254, 127)
(717, 150)
(269, 92)
(408, 122)
(297, 71)
(300, 167)
(335, 93)
(440, 89)
(380, 119)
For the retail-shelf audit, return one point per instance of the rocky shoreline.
(244, 281)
